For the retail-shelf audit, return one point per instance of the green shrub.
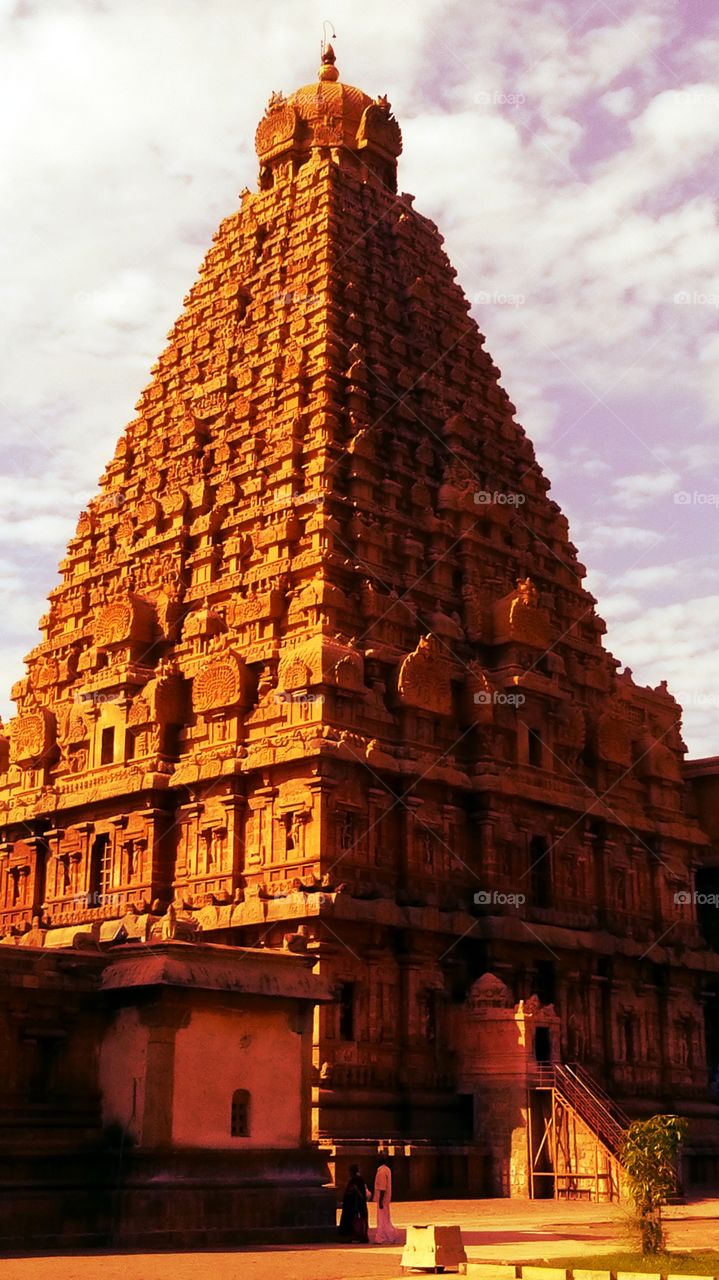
(649, 1155)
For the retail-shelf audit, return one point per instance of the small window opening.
(107, 746)
(536, 748)
(240, 1119)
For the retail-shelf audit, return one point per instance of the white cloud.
(620, 604)
(616, 536)
(657, 575)
(679, 125)
(619, 102)
(641, 489)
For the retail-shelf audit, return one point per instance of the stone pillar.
(376, 803)
(187, 855)
(405, 870)
(163, 1020)
(5, 851)
(410, 967)
(301, 1021)
(487, 863)
(85, 831)
(452, 836)
(159, 861)
(607, 852)
(234, 806)
(118, 825)
(561, 1003)
(267, 842)
(55, 838)
(34, 889)
(319, 836)
(253, 834)
(664, 1037)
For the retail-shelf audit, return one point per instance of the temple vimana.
(321, 676)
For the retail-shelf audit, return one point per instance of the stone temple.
(321, 673)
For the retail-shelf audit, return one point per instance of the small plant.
(648, 1155)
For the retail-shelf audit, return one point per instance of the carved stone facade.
(321, 664)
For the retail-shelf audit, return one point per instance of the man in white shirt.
(386, 1233)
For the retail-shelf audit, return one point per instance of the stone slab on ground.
(489, 1270)
(433, 1245)
(672, 1276)
(544, 1273)
(590, 1275)
(639, 1275)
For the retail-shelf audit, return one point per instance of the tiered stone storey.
(321, 663)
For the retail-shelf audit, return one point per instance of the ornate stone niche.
(379, 131)
(129, 622)
(613, 735)
(322, 660)
(32, 737)
(518, 617)
(224, 684)
(489, 992)
(423, 680)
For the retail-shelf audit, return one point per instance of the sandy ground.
(499, 1230)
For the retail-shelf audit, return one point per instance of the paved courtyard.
(499, 1230)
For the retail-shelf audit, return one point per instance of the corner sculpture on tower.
(302, 685)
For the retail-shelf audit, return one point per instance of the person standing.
(386, 1232)
(354, 1218)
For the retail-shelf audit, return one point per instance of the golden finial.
(328, 70)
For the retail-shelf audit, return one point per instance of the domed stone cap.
(489, 990)
(332, 115)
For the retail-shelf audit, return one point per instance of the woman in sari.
(354, 1219)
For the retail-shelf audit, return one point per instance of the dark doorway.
(542, 1044)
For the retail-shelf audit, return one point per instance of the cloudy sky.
(568, 151)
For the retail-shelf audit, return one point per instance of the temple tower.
(321, 672)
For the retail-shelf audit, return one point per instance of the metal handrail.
(598, 1102)
(590, 1108)
(543, 1075)
(601, 1094)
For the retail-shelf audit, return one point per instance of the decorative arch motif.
(222, 684)
(32, 736)
(424, 681)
